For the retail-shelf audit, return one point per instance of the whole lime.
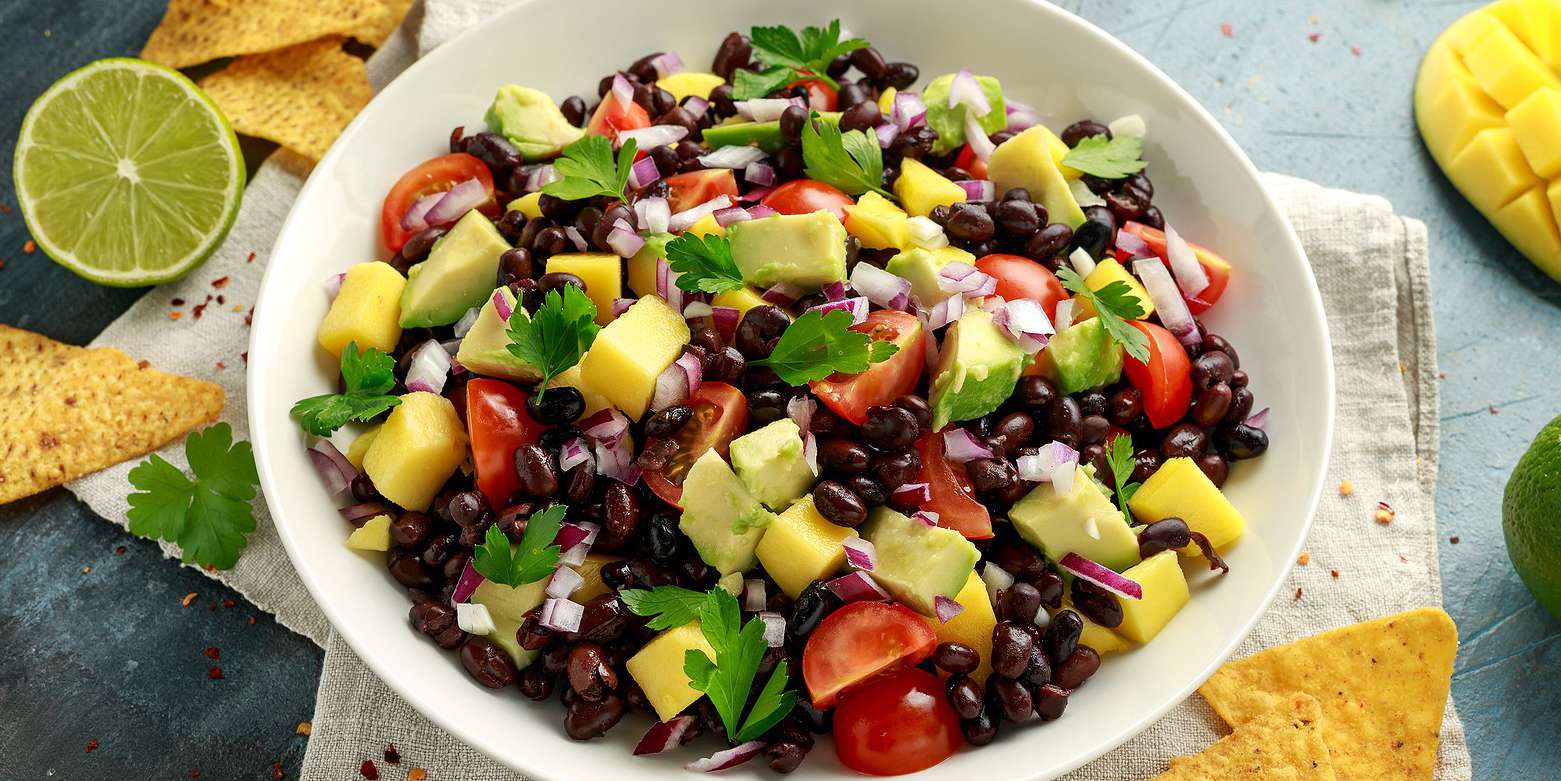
(1531, 517)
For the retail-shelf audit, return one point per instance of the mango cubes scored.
(1488, 102)
(632, 351)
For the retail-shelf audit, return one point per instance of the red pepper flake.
(120, 550)
(276, 771)
(245, 356)
(5, 208)
(1334, 573)
(221, 366)
(199, 310)
(1225, 30)
(392, 756)
(304, 728)
(188, 598)
(1453, 539)
(417, 774)
(213, 652)
(2, 264)
(1355, 50)
(92, 745)
(229, 602)
(175, 315)
(368, 770)
(1304, 559)
(214, 674)
(222, 300)
(1402, 559)
(1493, 410)
(1384, 514)
(177, 302)
(195, 774)
(249, 317)
(250, 258)
(1441, 375)
(1313, 37)
(29, 247)
(251, 621)
(219, 282)
(1298, 594)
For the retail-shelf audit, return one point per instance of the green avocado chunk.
(807, 250)
(507, 606)
(460, 273)
(916, 562)
(1082, 357)
(977, 370)
(771, 464)
(1082, 521)
(920, 267)
(530, 120)
(722, 519)
(950, 121)
(485, 349)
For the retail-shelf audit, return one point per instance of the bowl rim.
(389, 673)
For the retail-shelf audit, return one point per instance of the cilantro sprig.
(817, 345)
(1119, 458)
(747, 84)
(588, 169)
(368, 378)
(705, 263)
(532, 560)
(553, 339)
(1107, 158)
(788, 56)
(209, 517)
(851, 160)
(669, 606)
(1114, 304)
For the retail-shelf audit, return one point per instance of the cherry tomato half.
(433, 176)
(900, 723)
(967, 161)
(695, 187)
(802, 196)
(1020, 277)
(497, 421)
(720, 414)
(612, 116)
(860, 641)
(953, 498)
(883, 382)
(1164, 381)
(1215, 266)
(821, 96)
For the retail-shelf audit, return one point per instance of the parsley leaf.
(1114, 304)
(705, 263)
(817, 345)
(532, 560)
(670, 606)
(209, 517)
(811, 51)
(851, 161)
(1114, 158)
(747, 84)
(773, 704)
(553, 339)
(727, 679)
(588, 170)
(368, 379)
(1119, 457)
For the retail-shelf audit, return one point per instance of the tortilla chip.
(68, 411)
(1283, 744)
(197, 31)
(1382, 685)
(375, 34)
(300, 97)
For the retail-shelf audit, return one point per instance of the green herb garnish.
(704, 263)
(784, 53)
(553, 339)
(1114, 304)
(727, 680)
(669, 606)
(532, 560)
(1113, 158)
(368, 379)
(210, 517)
(1119, 457)
(747, 84)
(851, 161)
(588, 170)
(817, 345)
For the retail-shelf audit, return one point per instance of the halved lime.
(127, 173)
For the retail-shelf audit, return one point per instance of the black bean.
(990, 475)
(515, 265)
(897, 469)
(1049, 241)
(1019, 603)
(918, 407)
(1215, 467)
(1153, 218)
(914, 143)
(1212, 368)
(1050, 701)
(1097, 604)
(1209, 408)
(890, 428)
(761, 326)
(1077, 668)
(437, 620)
(1094, 429)
(669, 421)
(838, 504)
(1017, 218)
(813, 604)
(554, 438)
(970, 222)
(1184, 439)
(1017, 430)
(535, 468)
(870, 63)
(1066, 422)
(549, 242)
(1127, 203)
(1169, 533)
(410, 528)
(1243, 441)
(853, 93)
(982, 729)
(1097, 232)
(1010, 649)
(535, 684)
(956, 658)
(1017, 559)
(1145, 463)
(734, 52)
(1239, 379)
(1050, 585)
(791, 123)
(487, 663)
(416, 248)
(1040, 670)
(584, 720)
(622, 506)
(862, 116)
(964, 696)
(588, 672)
(1062, 635)
(1125, 406)
(409, 571)
(563, 404)
(1036, 392)
(1095, 456)
(901, 75)
(725, 365)
(871, 491)
(1084, 128)
(1241, 400)
(1012, 698)
(784, 756)
(766, 407)
(844, 456)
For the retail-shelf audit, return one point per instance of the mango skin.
(1488, 104)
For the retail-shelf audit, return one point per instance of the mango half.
(1488, 103)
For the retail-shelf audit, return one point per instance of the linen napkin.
(1371, 265)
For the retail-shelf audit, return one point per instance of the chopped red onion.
(574, 557)
(1101, 576)
(1131, 125)
(664, 736)
(474, 618)
(754, 597)
(774, 628)
(572, 534)
(800, 409)
(648, 138)
(964, 89)
(960, 446)
(760, 173)
(856, 306)
(763, 109)
(607, 425)
(333, 284)
(563, 583)
(1082, 261)
(914, 493)
(572, 454)
(692, 369)
(860, 553)
(684, 219)
(1053, 461)
(671, 388)
(621, 305)
(1026, 321)
(456, 369)
(502, 306)
(726, 318)
(732, 157)
(886, 132)
(996, 579)
(731, 757)
(1064, 315)
(731, 214)
(616, 460)
(576, 238)
(1168, 302)
(464, 325)
(946, 311)
(834, 291)
(810, 452)
(622, 89)
(857, 587)
(925, 233)
(1259, 419)
(362, 510)
(947, 609)
(761, 211)
(457, 201)
(978, 189)
(562, 615)
(755, 194)
(666, 284)
(782, 294)
(881, 287)
(927, 518)
(696, 310)
(468, 582)
(1021, 116)
(908, 110)
(653, 213)
(980, 143)
(541, 175)
(961, 277)
(416, 218)
(429, 367)
(666, 64)
(623, 241)
(643, 172)
(1133, 245)
(696, 105)
(1190, 276)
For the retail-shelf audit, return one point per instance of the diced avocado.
(1082, 357)
(1165, 594)
(876, 222)
(807, 250)
(973, 626)
(977, 369)
(359, 446)
(508, 606)
(374, 534)
(632, 351)
(770, 462)
(764, 135)
(642, 267)
(1106, 272)
(731, 583)
(1179, 488)
(417, 449)
(685, 83)
(950, 121)
(602, 273)
(802, 546)
(459, 274)
(485, 350)
(592, 585)
(532, 122)
(1026, 161)
(1103, 640)
(917, 562)
(724, 521)
(658, 669)
(742, 300)
(366, 310)
(1082, 521)
(920, 267)
(921, 189)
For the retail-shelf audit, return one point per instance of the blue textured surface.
(111, 655)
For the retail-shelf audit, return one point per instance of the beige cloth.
(1372, 267)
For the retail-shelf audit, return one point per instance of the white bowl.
(1044, 56)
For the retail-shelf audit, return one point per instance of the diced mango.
(1106, 272)
(1452, 118)
(658, 669)
(374, 534)
(417, 449)
(685, 83)
(801, 547)
(886, 100)
(529, 204)
(1529, 20)
(1491, 171)
(1529, 223)
(707, 226)
(1536, 124)
(632, 351)
(359, 446)
(594, 401)
(1506, 69)
(367, 310)
(1059, 150)
(593, 586)
(876, 222)
(973, 626)
(1165, 593)
(1029, 160)
(742, 300)
(602, 274)
(920, 188)
(1180, 489)
(643, 266)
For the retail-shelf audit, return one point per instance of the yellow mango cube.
(801, 547)
(529, 204)
(706, 226)
(1165, 594)
(374, 534)
(741, 300)
(685, 83)
(1453, 117)
(973, 626)
(632, 351)
(920, 189)
(1463, 34)
(602, 274)
(1106, 272)
(1529, 20)
(1528, 222)
(360, 446)
(416, 450)
(876, 222)
(367, 310)
(594, 401)
(1491, 171)
(886, 100)
(1182, 490)
(1536, 124)
(593, 585)
(1506, 69)
(658, 669)
(642, 267)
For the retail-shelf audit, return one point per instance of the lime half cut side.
(127, 174)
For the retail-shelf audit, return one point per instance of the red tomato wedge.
(803, 196)
(896, 724)
(883, 382)
(1020, 277)
(1164, 381)
(821, 96)
(695, 187)
(720, 414)
(860, 641)
(952, 497)
(434, 176)
(497, 423)
(612, 117)
(1215, 266)
(967, 160)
